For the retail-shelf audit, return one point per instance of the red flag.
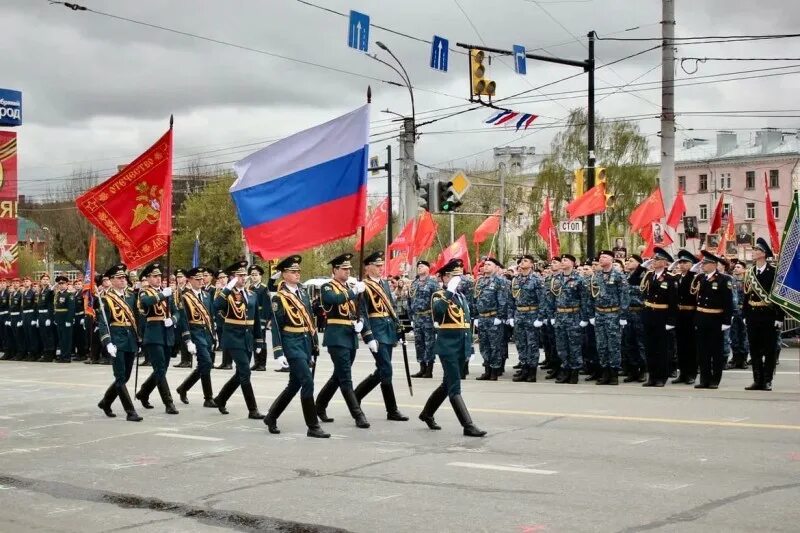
(774, 241)
(133, 208)
(375, 222)
(547, 231)
(487, 227)
(457, 250)
(677, 211)
(405, 239)
(727, 235)
(654, 235)
(591, 202)
(425, 234)
(394, 264)
(716, 222)
(650, 210)
(89, 285)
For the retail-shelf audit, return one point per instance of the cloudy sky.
(98, 90)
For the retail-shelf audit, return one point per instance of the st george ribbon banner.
(8, 204)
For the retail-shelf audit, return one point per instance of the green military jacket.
(237, 307)
(380, 319)
(63, 307)
(195, 322)
(293, 331)
(156, 310)
(116, 321)
(454, 334)
(339, 304)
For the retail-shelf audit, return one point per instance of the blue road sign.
(358, 33)
(440, 48)
(520, 64)
(10, 108)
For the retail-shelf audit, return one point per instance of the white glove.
(552, 321)
(412, 324)
(358, 325)
(510, 322)
(191, 348)
(232, 283)
(283, 362)
(67, 324)
(81, 322)
(373, 346)
(475, 322)
(583, 323)
(47, 322)
(452, 285)
(35, 323)
(58, 352)
(537, 323)
(592, 321)
(669, 328)
(744, 321)
(167, 291)
(19, 324)
(8, 322)
(623, 322)
(497, 321)
(168, 322)
(435, 325)
(360, 287)
(778, 324)
(725, 327)
(112, 350)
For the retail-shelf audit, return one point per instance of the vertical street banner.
(8, 204)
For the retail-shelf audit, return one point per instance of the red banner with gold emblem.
(134, 207)
(8, 204)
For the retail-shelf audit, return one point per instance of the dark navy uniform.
(633, 350)
(684, 327)
(5, 346)
(450, 310)
(714, 312)
(47, 330)
(30, 328)
(660, 315)
(63, 315)
(196, 328)
(260, 323)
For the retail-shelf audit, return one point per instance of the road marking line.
(503, 468)
(188, 437)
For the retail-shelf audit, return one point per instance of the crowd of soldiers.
(646, 320)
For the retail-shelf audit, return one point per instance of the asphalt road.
(557, 458)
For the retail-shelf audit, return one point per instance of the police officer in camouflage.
(609, 301)
(420, 292)
(571, 306)
(738, 330)
(491, 305)
(526, 304)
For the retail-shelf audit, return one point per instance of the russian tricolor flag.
(306, 189)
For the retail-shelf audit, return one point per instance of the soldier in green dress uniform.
(260, 323)
(116, 322)
(453, 343)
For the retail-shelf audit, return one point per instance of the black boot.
(127, 404)
(166, 397)
(494, 373)
(531, 375)
(603, 379)
(310, 414)
(250, 402)
(422, 367)
(465, 371)
(434, 401)
(428, 370)
(487, 374)
(108, 399)
(470, 430)
(633, 375)
(276, 409)
(563, 376)
(226, 363)
(391, 404)
(208, 392)
(144, 391)
(522, 376)
(613, 377)
(225, 393)
(355, 409)
(187, 384)
(366, 386)
(324, 398)
(573, 377)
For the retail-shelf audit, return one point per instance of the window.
(773, 179)
(725, 181)
(703, 183)
(751, 210)
(776, 210)
(520, 218)
(682, 183)
(703, 212)
(750, 180)
(726, 210)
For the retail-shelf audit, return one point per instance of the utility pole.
(667, 180)
(501, 236)
(452, 227)
(407, 186)
(590, 146)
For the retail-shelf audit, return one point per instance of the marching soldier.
(180, 343)
(295, 339)
(686, 345)
(158, 337)
(659, 316)
(219, 320)
(380, 321)
(260, 325)
(712, 318)
(609, 296)
(633, 333)
(45, 320)
(420, 292)
(571, 317)
(237, 306)
(341, 337)
(762, 318)
(450, 312)
(117, 324)
(196, 327)
(526, 306)
(29, 328)
(491, 304)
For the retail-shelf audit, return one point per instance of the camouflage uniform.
(526, 303)
(609, 295)
(491, 304)
(571, 308)
(738, 331)
(420, 294)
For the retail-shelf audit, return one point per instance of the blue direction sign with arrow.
(358, 33)
(439, 51)
(520, 64)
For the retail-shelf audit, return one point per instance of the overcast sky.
(97, 90)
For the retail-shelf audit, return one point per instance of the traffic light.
(480, 85)
(424, 197)
(580, 184)
(600, 176)
(446, 197)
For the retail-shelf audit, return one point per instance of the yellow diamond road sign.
(460, 183)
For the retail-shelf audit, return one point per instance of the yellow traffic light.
(480, 85)
(599, 175)
(580, 184)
